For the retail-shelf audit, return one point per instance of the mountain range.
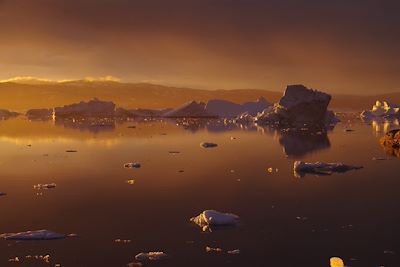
(30, 93)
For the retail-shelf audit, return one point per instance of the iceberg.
(45, 186)
(191, 109)
(381, 109)
(152, 256)
(227, 109)
(6, 114)
(33, 235)
(214, 218)
(301, 168)
(92, 108)
(299, 106)
(39, 113)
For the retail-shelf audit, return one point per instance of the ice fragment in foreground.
(300, 168)
(208, 145)
(153, 256)
(132, 165)
(214, 218)
(33, 235)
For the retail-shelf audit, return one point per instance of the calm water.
(354, 215)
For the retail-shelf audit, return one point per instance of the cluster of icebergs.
(381, 109)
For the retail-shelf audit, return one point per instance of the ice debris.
(132, 165)
(153, 256)
(33, 235)
(208, 145)
(209, 218)
(301, 168)
(45, 186)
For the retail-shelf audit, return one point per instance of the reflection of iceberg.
(301, 168)
(33, 235)
(89, 124)
(384, 125)
(300, 143)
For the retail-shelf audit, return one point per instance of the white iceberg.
(153, 256)
(33, 235)
(381, 109)
(300, 168)
(214, 218)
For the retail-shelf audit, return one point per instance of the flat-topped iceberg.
(209, 218)
(381, 109)
(301, 168)
(33, 235)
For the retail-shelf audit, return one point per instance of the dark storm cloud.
(339, 45)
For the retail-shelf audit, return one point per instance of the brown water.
(354, 215)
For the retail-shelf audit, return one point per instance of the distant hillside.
(20, 96)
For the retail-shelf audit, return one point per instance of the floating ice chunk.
(33, 235)
(2, 194)
(233, 252)
(208, 145)
(300, 168)
(45, 186)
(336, 262)
(132, 165)
(153, 256)
(214, 218)
(211, 249)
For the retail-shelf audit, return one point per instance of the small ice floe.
(123, 241)
(33, 235)
(71, 151)
(211, 249)
(132, 165)
(174, 152)
(131, 182)
(348, 130)
(2, 194)
(15, 259)
(271, 170)
(336, 262)
(391, 252)
(152, 256)
(380, 158)
(301, 168)
(208, 145)
(45, 186)
(233, 252)
(134, 264)
(209, 218)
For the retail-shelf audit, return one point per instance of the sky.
(341, 46)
